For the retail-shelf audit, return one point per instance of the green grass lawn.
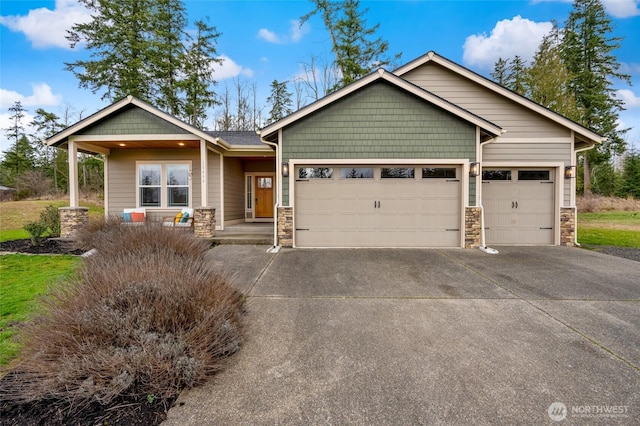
(22, 280)
(616, 228)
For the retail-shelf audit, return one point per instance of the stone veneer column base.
(204, 222)
(568, 226)
(285, 226)
(72, 221)
(472, 229)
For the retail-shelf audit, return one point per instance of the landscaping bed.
(48, 246)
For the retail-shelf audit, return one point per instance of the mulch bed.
(47, 246)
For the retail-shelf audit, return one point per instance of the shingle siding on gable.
(133, 121)
(378, 122)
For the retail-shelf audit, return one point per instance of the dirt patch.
(626, 252)
(123, 411)
(48, 246)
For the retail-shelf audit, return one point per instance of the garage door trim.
(559, 183)
(462, 163)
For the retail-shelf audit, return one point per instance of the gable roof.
(61, 137)
(489, 128)
(588, 136)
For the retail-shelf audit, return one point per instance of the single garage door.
(519, 206)
(377, 206)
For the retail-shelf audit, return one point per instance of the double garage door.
(519, 206)
(378, 206)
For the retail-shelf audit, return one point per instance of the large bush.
(145, 317)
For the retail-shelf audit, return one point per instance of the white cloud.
(629, 98)
(509, 37)
(630, 68)
(269, 36)
(48, 28)
(42, 96)
(229, 69)
(298, 31)
(622, 8)
(615, 8)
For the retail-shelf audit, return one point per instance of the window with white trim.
(164, 184)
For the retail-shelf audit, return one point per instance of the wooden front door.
(264, 196)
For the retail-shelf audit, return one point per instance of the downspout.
(275, 248)
(483, 245)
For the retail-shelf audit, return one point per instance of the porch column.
(73, 173)
(204, 173)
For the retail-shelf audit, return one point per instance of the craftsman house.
(408, 158)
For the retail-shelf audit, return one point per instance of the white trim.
(559, 179)
(536, 140)
(477, 202)
(572, 184)
(221, 192)
(137, 137)
(253, 175)
(463, 164)
(69, 131)
(452, 66)
(376, 161)
(204, 173)
(91, 148)
(73, 174)
(106, 186)
(163, 183)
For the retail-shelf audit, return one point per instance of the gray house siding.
(379, 121)
(133, 121)
(517, 120)
(233, 189)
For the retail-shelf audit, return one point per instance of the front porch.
(256, 233)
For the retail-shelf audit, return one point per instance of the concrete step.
(238, 238)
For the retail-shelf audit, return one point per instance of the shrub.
(36, 231)
(50, 218)
(146, 315)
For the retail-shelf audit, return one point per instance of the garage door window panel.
(438, 173)
(398, 173)
(533, 174)
(496, 175)
(356, 173)
(315, 173)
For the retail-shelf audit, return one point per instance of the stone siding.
(472, 227)
(568, 226)
(204, 222)
(72, 221)
(285, 226)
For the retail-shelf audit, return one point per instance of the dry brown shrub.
(598, 204)
(146, 315)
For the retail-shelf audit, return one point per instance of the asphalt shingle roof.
(237, 137)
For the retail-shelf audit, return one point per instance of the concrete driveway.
(428, 337)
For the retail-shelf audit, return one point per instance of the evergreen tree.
(516, 75)
(629, 184)
(46, 125)
(548, 79)
(198, 81)
(168, 50)
(587, 51)
(16, 130)
(499, 74)
(357, 51)
(279, 100)
(120, 41)
(18, 159)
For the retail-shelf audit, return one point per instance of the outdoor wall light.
(285, 169)
(569, 172)
(474, 169)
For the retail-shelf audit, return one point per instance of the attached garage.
(519, 205)
(378, 206)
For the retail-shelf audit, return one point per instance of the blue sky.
(262, 41)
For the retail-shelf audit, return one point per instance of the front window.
(164, 184)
